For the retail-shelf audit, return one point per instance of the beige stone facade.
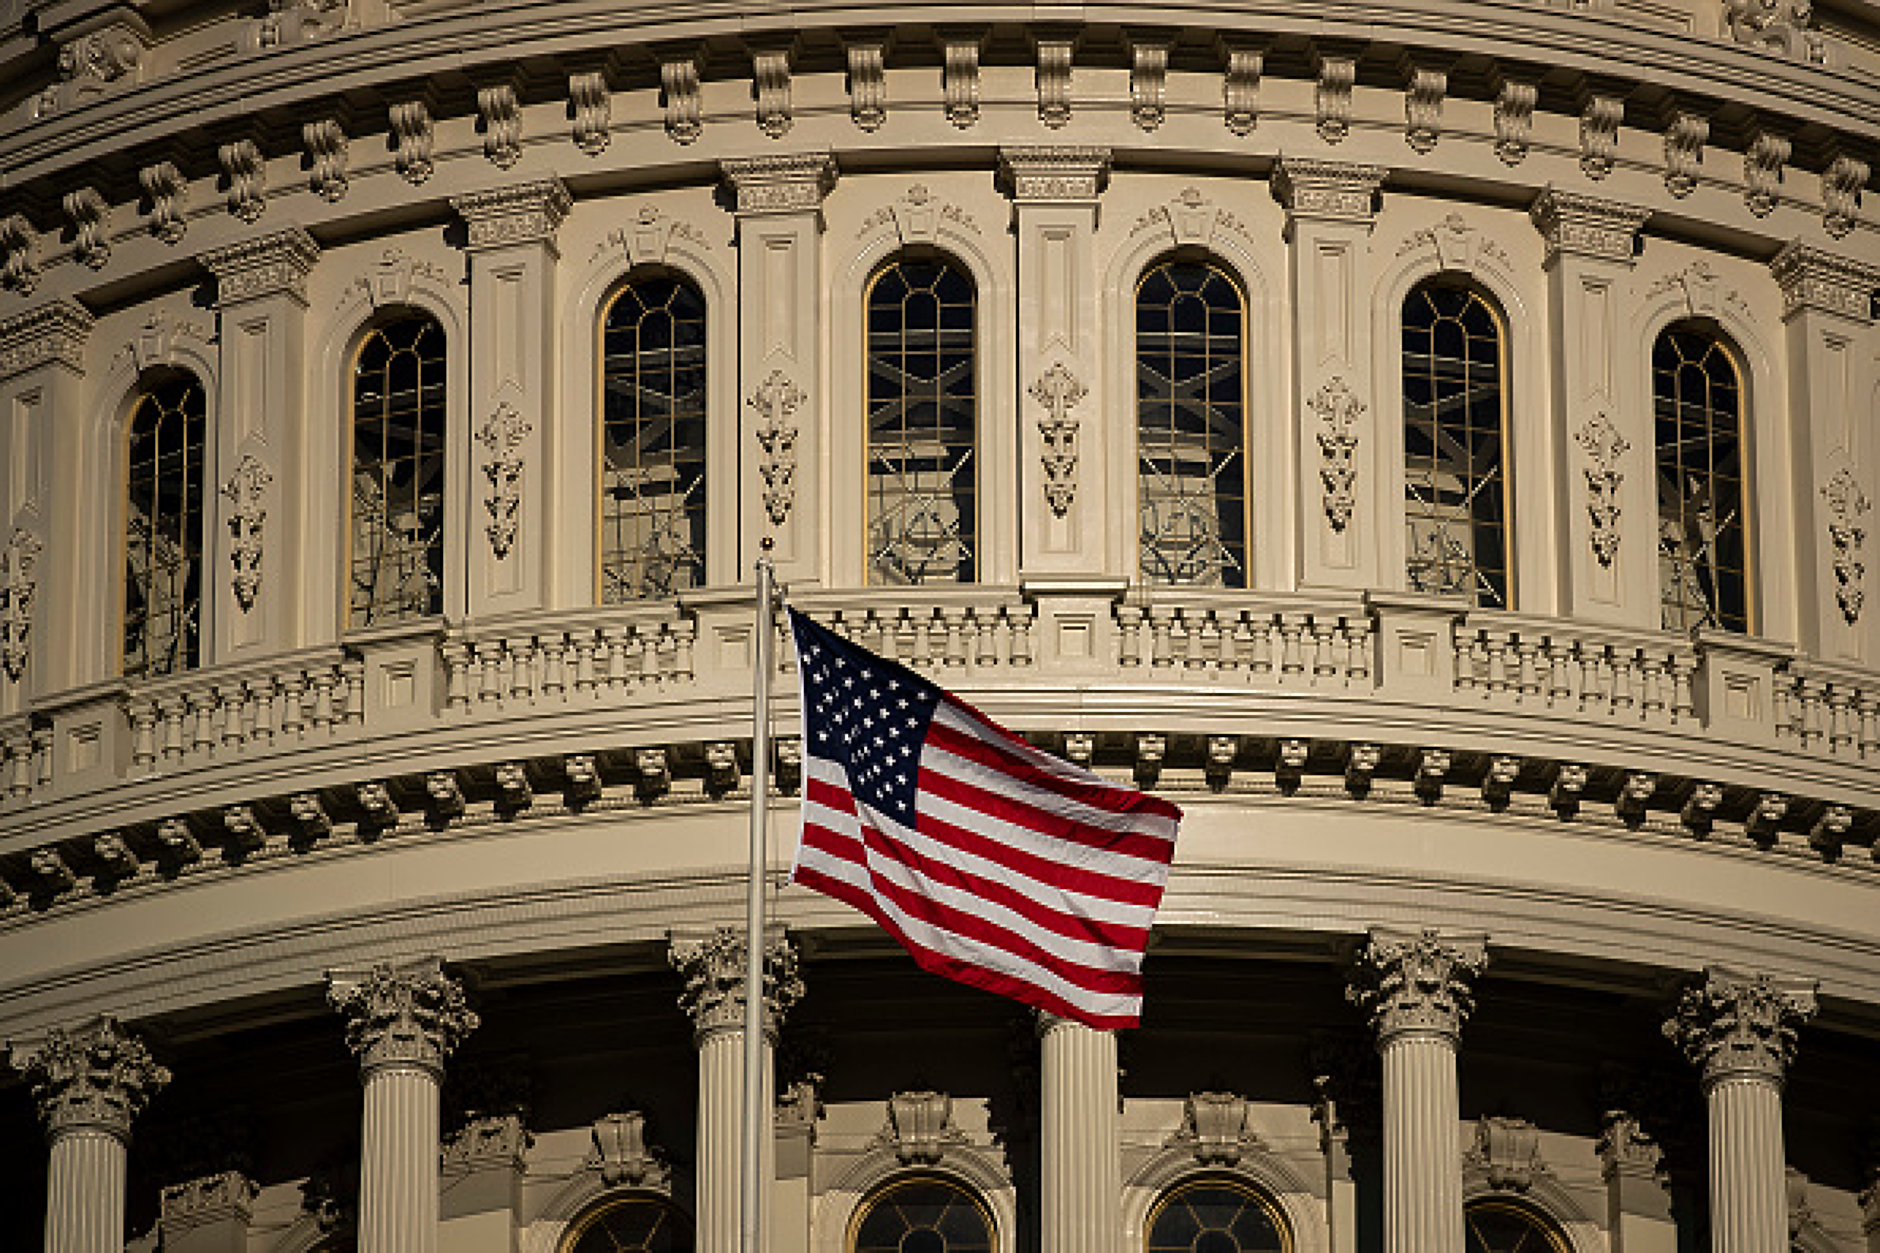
(1528, 872)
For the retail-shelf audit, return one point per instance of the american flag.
(992, 862)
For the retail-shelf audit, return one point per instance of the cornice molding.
(1814, 279)
(53, 333)
(270, 265)
(524, 213)
(1575, 224)
(784, 183)
(1054, 173)
(1311, 189)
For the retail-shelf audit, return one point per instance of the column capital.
(1578, 225)
(786, 183)
(1734, 1025)
(93, 1077)
(1054, 173)
(269, 265)
(713, 969)
(1814, 278)
(1312, 189)
(524, 213)
(50, 333)
(1417, 982)
(411, 1014)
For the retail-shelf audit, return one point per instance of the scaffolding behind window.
(398, 443)
(1190, 426)
(1454, 417)
(1697, 397)
(652, 515)
(163, 529)
(922, 425)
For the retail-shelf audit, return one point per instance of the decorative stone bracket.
(1059, 391)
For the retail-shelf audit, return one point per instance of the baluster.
(1129, 636)
(584, 673)
(456, 658)
(1683, 698)
(1557, 654)
(1592, 678)
(323, 681)
(917, 635)
(143, 719)
(1326, 663)
(554, 650)
(227, 722)
(293, 705)
(1653, 705)
(1527, 680)
(614, 641)
(203, 706)
(953, 621)
(352, 673)
(1465, 659)
(172, 714)
(42, 756)
(262, 694)
(1358, 652)
(1840, 729)
(1260, 629)
(1496, 643)
(1812, 701)
(20, 775)
(684, 635)
(986, 629)
(521, 667)
(490, 652)
(1290, 660)
(1019, 619)
(1192, 624)
(1161, 641)
(1625, 677)
(1869, 724)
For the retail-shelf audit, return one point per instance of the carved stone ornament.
(920, 1127)
(1332, 97)
(500, 110)
(290, 22)
(916, 216)
(1606, 447)
(621, 1155)
(775, 402)
(327, 154)
(221, 1196)
(90, 217)
(487, 1142)
(526, 213)
(794, 183)
(1061, 173)
(868, 83)
(1578, 225)
(679, 84)
(1815, 279)
(413, 139)
(94, 64)
(770, 76)
(1190, 219)
(1847, 536)
(1214, 1128)
(1762, 171)
(18, 585)
(1734, 1025)
(410, 1014)
(1514, 120)
(1338, 411)
(272, 265)
(245, 170)
(649, 238)
(1599, 134)
(1684, 152)
(1053, 77)
(1417, 982)
(1455, 243)
(1779, 26)
(1626, 1149)
(50, 333)
(1424, 89)
(1841, 185)
(246, 491)
(19, 254)
(592, 105)
(502, 437)
(713, 969)
(1148, 82)
(1240, 90)
(388, 282)
(168, 193)
(959, 80)
(94, 1077)
(1058, 391)
(1326, 191)
(1508, 1153)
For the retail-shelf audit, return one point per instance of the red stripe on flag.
(1002, 808)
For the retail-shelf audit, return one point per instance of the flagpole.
(751, 1191)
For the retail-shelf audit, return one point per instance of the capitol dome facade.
(1433, 443)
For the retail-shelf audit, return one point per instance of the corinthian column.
(1081, 1167)
(713, 969)
(1416, 989)
(90, 1083)
(1739, 1030)
(402, 1021)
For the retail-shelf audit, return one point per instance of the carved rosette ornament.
(713, 969)
(17, 588)
(1605, 446)
(1847, 535)
(1338, 411)
(1740, 1026)
(1059, 391)
(1417, 983)
(246, 491)
(776, 401)
(502, 436)
(406, 1015)
(94, 1077)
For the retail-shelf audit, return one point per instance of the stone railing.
(553, 657)
(1263, 640)
(194, 718)
(1505, 662)
(1829, 709)
(981, 628)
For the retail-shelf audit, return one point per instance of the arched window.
(923, 466)
(1454, 423)
(163, 529)
(921, 1215)
(1697, 397)
(1191, 461)
(1498, 1225)
(397, 562)
(637, 1223)
(652, 463)
(1216, 1216)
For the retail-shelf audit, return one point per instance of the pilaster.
(509, 527)
(1611, 570)
(713, 998)
(778, 201)
(42, 367)
(1081, 1167)
(1417, 989)
(258, 435)
(1739, 1031)
(90, 1083)
(1330, 209)
(1063, 457)
(402, 1022)
(1827, 303)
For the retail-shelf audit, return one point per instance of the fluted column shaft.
(1418, 991)
(1740, 1031)
(89, 1084)
(1081, 1164)
(402, 1022)
(713, 968)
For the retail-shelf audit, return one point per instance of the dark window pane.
(1703, 575)
(163, 530)
(397, 566)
